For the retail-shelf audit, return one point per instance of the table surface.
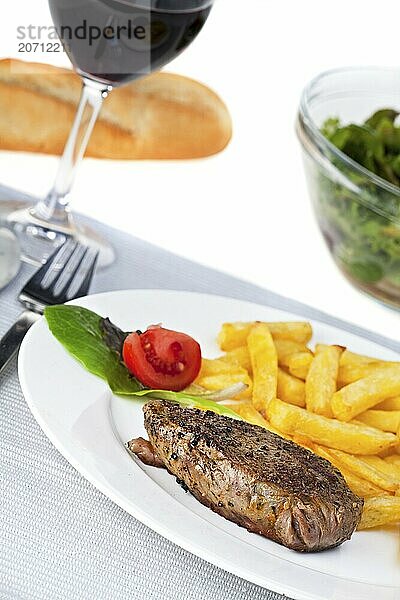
(248, 212)
(61, 538)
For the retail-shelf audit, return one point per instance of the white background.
(247, 210)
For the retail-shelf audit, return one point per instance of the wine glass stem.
(54, 209)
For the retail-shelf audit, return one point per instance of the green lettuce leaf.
(79, 331)
(362, 224)
(96, 343)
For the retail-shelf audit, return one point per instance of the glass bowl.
(357, 211)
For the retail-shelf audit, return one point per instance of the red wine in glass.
(109, 42)
(116, 41)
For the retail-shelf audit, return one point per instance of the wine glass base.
(38, 239)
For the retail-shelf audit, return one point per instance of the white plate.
(89, 427)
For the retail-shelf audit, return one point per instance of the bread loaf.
(162, 116)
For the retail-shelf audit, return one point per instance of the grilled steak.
(253, 477)
(145, 452)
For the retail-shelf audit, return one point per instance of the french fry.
(286, 347)
(248, 413)
(391, 469)
(217, 366)
(294, 357)
(304, 441)
(351, 373)
(384, 453)
(387, 420)
(213, 383)
(349, 358)
(234, 335)
(364, 469)
(357, 366)
(393, 458)
(297, 331)
(321, 347)
(264, 363)
(290, 389)
(358, 397)
(298, 364)
(361, 487)
(389, 404)
(218, 374)
(321, 379)
(348, 437)
(239, 356)
(380, 511)
(251, 415)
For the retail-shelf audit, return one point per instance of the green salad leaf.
(79, 331)
(362, 225)
(375, 144)
(97, 344)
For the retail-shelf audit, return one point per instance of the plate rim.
(273, 585)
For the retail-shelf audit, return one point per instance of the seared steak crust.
(253, 477)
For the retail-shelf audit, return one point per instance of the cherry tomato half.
(162, 359)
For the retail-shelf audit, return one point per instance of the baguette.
(162, 116)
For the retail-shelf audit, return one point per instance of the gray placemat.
(59, 537)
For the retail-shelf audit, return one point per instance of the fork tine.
(66, 275)
(53, 265)
(79, 273)
(61, 284)
(87, 268)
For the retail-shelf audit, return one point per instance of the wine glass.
(110, 43)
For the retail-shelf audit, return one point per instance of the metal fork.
(66, 275)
